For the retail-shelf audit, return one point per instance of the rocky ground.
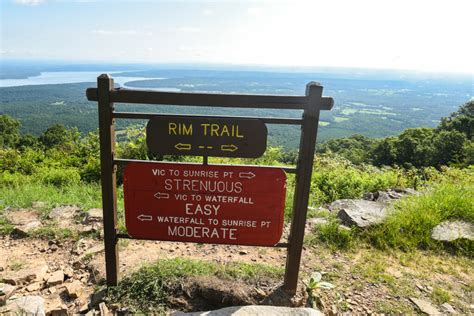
(61, 275)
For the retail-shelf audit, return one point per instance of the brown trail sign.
(207, 204)
(205, 136)
(241, 137)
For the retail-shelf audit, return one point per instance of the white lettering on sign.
(203, 185)
(206, 209)
(199, 199)
(202, 232)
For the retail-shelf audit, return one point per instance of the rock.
(93, 215)
(56, 278)
(360, 213)
(447, 308)
(312, 222)
(92, 251)
(74, 289)
(6, 290)
(255, 310)
(104, 311)
(34, 287)
(382, 197)
(26, 276)
(394, 195)
(24, 220)
(82, 245)
(425, 306)
(407, 191)
(452, 230)
(316, 221)
(68, 272)
(55, 307)
(83, 309)
(369, 196)
(65, 214)
(26, 305)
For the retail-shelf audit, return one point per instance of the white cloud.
(189, 29)
(29, 2)
(254, 11)
(123, 32)
(207, 12)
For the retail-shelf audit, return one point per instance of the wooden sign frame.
(311, 104)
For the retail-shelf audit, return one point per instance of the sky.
(420, 35)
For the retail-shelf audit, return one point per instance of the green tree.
(415, 147)
(448, 148)
(385, 153)
(356, 148)
(462, 120)
(59, 136)
(27, 141)
(9, 131)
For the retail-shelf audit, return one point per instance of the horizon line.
(296, 68)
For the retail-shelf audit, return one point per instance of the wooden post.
(309, 129)
(108, 176)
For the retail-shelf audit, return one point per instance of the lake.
(61, 77)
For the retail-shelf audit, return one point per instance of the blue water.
(61, 77)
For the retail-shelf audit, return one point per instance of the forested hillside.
(373, 104)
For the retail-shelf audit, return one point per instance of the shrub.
(59, 177)
(90, 171)
(337, 178)
(8, 179)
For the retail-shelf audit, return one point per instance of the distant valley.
(370, 103)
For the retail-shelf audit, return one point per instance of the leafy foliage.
(450, 143)
(9, 131)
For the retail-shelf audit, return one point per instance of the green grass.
(5, 227)
(54, 232)
(86, 195)
(149, 288)
(17, 265)
(332, 235)
(410, 226)
(440, 296)
(20, 191)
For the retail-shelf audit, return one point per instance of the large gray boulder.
(24, 221)
(452, 230)
(360, 213)
(6, 290)
(425, 306)
(26, 276)
(65, 215)
(255, 310)
(26, 305)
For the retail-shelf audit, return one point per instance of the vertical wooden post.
(108, 176)
(309, 129)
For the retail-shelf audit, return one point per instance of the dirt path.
(65, 272)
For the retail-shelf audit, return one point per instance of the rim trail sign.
(201, 136)
(220, 204)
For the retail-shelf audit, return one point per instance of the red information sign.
(208, 204)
